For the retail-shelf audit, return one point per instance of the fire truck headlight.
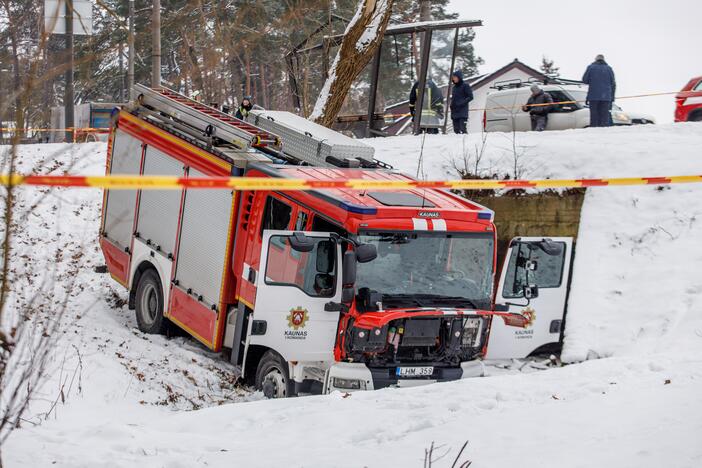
(471, 333)
(348, 384)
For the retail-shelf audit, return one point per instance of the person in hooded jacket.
(244, 108)
(538, 106)
(460, 98)
(602, 86)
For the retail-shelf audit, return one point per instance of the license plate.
(425, 371)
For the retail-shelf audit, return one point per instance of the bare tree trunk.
(247, 60)
(424, 10)
(264, 85)
(361, 39)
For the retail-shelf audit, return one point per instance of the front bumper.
(350, 377)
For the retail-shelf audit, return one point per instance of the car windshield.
(430, 270)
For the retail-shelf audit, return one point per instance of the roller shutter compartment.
(203, 241)
(159, 209)
(120, 204)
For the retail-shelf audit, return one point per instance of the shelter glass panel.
(434, 107)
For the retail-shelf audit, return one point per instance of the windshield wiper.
(399, 300)
(454, 300)
(428, 300)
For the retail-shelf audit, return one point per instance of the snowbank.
(636, 297)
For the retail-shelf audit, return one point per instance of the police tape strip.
(517, 106)
(129, 182)
(69, 129)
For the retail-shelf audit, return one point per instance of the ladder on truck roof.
(225, 135)
(257, 140)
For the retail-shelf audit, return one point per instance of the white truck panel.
(159, 209)
(120, 204)
(203, 242)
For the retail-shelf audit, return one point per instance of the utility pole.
(130, 44)
(156, 44)
(68, 96)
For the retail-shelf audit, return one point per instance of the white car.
(504, 108)
(636, 118)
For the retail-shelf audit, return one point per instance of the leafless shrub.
(435, 453)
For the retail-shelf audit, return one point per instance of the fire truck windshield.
(432, 269)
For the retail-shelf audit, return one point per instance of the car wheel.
(272, 376)
(149, 304)
(696, 117)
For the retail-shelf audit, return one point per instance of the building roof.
(433, 25)
(481, 80)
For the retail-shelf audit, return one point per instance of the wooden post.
(426, 46)
(449, 91)
(373, 90)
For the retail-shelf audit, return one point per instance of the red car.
(689, 102)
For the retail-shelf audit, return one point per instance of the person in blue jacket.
(462, 95)
(602, 86)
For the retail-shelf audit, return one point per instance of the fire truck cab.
(309, 291)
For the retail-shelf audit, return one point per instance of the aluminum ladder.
(213, 125)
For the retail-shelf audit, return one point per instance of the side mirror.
(348, 271)
(531, 291)
(300, 242)
(366, 253)
(550, 248)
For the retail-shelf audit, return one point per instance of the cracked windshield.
(424, 270)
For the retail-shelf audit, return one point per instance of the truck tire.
(149, 304)
(272, 376)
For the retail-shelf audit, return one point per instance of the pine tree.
(548, 68)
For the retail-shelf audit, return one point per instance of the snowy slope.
(637, 297)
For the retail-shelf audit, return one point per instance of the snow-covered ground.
(636, 302)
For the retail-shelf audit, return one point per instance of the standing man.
(599, 77)
(244, 108)
(538, 106)
(462, 95)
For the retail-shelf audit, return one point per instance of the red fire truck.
(310, 291)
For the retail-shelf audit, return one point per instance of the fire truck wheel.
(149, 304)
(272, 376)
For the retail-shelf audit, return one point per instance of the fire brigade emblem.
(297, 318)
(530, 314)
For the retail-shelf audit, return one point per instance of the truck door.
(540, 262)
(291, 291)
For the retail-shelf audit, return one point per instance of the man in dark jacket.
(462, 95)
(599, 77)
(244, 108)
(538, 106)
(432, 114)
